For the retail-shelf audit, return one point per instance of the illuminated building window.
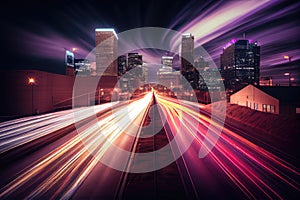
(264, 107)
(272, 108)
(255, 105)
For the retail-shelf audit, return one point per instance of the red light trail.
(60, 169)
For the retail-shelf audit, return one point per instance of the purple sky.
(36, 34)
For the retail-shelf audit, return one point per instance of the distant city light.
(286, 57)
(287, 74)
(74, 49)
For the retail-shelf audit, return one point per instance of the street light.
(100, 93)
(289, 75)
(76, 50)
(31, 81)
(288, 58)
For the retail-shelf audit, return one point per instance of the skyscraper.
(166, 76)
(240, 64)
(134, 70)
(134, 59)
(167, 61)
(106, 52)
(82, 67)
(69, 63)
(187, 52)
(187, 60)
(122, 64)
(167, 64)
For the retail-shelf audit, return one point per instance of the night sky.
(34, 34)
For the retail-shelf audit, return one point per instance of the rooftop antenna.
(244, 36)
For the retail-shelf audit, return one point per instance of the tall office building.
(166, 64)
(69, 63)
(240, 64)
(122, 64)
(187, 60)
(201, 64)
(134, 59)
(167, 61)
(82, 67)
(187, 52)
(145, 72)
(134, 71)
(106, 52)
(166, 76)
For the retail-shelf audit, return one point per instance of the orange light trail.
(67, 166)
(232, 153)
(59, 173)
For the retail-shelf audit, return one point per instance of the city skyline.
(150, 100)
(273, 32)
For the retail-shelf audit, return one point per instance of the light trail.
(64, 169)
(19, 132)
(59, 173)
(248, 165)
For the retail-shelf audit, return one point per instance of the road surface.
(151, 147)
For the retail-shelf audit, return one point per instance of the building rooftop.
(282, 93)
(240, 42)
(187, 35)
(167, 57)
(107, 30)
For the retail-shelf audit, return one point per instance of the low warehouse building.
(282, 100)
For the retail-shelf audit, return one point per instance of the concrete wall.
(49, 93)
(253, 96)
(19, 98)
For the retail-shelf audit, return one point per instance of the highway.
(150, 145)
(253, 171)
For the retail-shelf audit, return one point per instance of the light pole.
(100, 94)
(289, 75)
(75, 50)
(288, 58)
(31, 81)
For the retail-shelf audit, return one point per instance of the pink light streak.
(233, 153)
